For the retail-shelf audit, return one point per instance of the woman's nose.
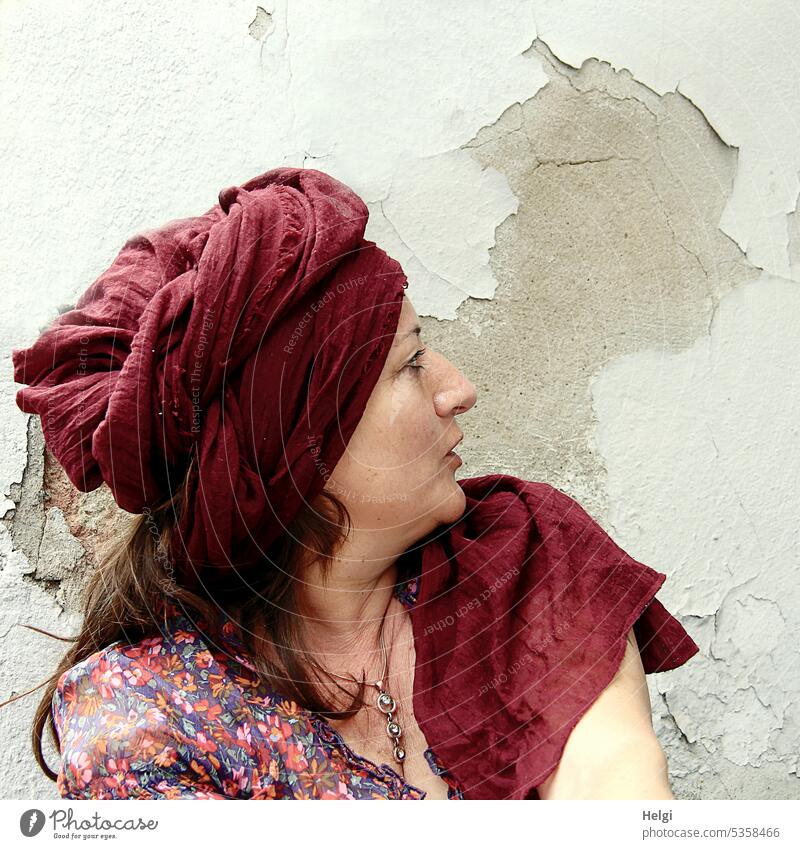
(458, 396)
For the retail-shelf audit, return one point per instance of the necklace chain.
(386, 705)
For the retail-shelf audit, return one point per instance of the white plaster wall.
(701, 452)
(119, 116)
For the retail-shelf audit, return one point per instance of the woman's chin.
(452, 506)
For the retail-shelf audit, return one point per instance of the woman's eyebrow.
(417, 329)
(397, 345)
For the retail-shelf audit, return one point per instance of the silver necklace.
(386, 705)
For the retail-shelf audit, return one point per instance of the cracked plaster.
(736, 63)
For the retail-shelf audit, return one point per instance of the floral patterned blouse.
(173, 717)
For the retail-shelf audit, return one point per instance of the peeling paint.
(730, 548)
(262, 25)
(734, 62)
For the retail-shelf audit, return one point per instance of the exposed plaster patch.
(751, 101)
(57, 528)
(29, 497)
(608, 249)
(262, 25)
(594, 77)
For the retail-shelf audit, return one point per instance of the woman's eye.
(412, 364)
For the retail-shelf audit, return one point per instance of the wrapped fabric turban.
(251, 335)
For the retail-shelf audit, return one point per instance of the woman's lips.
(452, 450)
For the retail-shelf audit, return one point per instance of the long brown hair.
(135, 579)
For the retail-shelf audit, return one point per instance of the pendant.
(386, 705)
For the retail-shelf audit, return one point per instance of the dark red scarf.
(249, 340)
(521, 621)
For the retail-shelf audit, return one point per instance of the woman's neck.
(342, 619)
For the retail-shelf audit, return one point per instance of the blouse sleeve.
(115, 746)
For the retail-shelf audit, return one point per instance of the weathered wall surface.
(609, 248)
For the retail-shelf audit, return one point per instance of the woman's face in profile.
(396, 473)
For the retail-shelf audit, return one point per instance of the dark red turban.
(253, 336)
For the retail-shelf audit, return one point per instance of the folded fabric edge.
(664, 643)
(654, 628)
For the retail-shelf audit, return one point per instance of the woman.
(309, 604)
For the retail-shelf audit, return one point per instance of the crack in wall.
(567, 72)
